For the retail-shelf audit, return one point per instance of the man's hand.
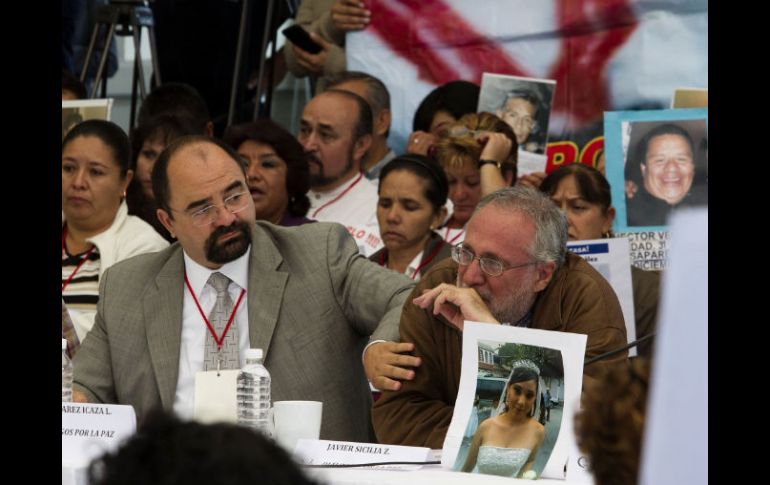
(312, 62)
(455, 304)
(78, 396)
(350, 15)
(532, 180)
(420, 142)
(386, 361)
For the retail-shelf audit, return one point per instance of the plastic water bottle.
(66, 373)
(253, 394)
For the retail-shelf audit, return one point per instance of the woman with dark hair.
(166, 449)
(583, 194)
(440, 108)
(412, 196)
(277, 171)
(148, 141)
(507, 444)
(97, 231)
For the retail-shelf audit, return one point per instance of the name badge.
(214, 399)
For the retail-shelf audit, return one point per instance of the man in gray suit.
(310, 301)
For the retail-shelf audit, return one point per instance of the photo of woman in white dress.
(507, 444)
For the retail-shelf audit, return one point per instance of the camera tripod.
(123, 17)
(274, 16)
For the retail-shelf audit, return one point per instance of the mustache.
(222, 230)
(312, 158)
(231, 249)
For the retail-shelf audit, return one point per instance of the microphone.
(616, 351)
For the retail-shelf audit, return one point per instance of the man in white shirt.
(336, 132)
(304, 295)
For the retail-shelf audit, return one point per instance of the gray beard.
(512, 309)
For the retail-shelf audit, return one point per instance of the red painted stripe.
(592, 31)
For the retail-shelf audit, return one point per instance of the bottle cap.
(64, 344)
(253, 353)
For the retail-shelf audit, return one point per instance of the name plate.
(89, 430)
(325, 452)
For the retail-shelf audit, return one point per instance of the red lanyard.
(221, 339)
(422, 264)
(82, 259)
(360, 176)
(446, 234)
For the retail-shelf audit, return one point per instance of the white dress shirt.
(194, 328)
(413, 266)
(452, 236)
(354, 205)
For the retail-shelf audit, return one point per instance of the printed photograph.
(657, 162)
(516, 413)
(523, 103)
(76, 111)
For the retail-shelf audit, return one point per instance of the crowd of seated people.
(443, 233)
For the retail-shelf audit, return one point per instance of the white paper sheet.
(610, 258)
(325, 452)
(675, 448)
(89, 430)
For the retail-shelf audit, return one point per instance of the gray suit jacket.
(313, 303)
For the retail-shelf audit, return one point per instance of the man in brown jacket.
(512, 268)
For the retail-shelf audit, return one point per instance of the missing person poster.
(525, 105)
(656, 163)
(514, 378)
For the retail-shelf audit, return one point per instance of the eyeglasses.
(491, 267)
(234, 203)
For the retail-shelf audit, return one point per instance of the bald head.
(364, 120)
(335, 132)
(204, 200)
(182, 150)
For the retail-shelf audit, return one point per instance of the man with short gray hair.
(513, 268)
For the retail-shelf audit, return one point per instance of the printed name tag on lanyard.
(214, 399)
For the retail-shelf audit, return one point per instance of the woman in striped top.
(97, 231)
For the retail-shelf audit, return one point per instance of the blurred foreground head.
(167, 451)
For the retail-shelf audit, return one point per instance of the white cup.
(295, 420)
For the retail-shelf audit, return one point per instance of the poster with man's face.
(656, 162)
(523, 103)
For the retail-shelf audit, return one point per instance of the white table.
(429, 475)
